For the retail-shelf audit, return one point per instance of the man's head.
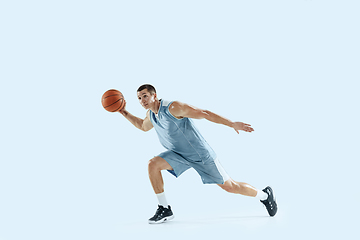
(147, 95)
(149, 87)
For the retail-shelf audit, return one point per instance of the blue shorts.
(211, 172)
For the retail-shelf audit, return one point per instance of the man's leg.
(239, 187)
(155, 166)
(266, 196)
(163, 212)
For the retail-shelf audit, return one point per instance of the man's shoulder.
(175, 109)
(166, 103)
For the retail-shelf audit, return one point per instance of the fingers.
(123, 108)
(243, 126)
(248, 128)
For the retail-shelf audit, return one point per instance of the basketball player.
(186, 148)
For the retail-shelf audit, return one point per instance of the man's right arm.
(142, 124)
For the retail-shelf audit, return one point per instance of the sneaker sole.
(162, 220)
(274, 197)
(273, 194)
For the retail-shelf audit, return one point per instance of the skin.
(181, 110)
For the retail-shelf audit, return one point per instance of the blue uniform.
(186, 147)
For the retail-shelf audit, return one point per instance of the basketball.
(113, 100)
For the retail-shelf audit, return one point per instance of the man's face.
(146, 99)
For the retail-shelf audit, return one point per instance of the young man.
(187, 148)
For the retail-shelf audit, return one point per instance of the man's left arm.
(180, 110)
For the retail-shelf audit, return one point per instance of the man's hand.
(242, 126)
(122, 111)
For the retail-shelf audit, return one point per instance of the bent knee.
(157, 163)
(152, 164)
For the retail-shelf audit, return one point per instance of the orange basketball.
(113, 100)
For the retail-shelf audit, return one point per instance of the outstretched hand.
(242, 126)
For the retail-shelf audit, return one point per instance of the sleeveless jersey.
(180, 135)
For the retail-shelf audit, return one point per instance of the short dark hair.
(149, 87)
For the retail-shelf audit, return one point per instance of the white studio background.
(71, 170)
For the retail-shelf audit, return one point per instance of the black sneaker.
(162, 214)
(270, 202)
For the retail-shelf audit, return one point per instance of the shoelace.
(159, 211)
(269, 203)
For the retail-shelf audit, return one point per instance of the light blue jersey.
(181, 135)
(186, 147)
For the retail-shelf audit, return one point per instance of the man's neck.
(156, 106)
